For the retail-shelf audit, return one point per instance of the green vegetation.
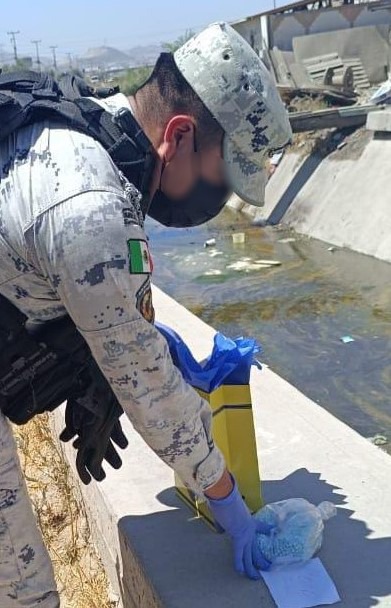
(171, 47)
(20, 64)
(133, 79)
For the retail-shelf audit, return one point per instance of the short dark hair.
(167, 92)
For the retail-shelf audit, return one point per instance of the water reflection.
(298, 310)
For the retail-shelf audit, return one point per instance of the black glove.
(93, 418)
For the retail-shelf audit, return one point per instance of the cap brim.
(247, 179)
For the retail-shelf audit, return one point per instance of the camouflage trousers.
(26, 573)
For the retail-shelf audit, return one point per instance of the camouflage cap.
(235, 86)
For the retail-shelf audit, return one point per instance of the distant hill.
(100, 57)
(104, 56)
(108, 56)
(144, 55)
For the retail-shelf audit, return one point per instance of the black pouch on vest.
(38, 372)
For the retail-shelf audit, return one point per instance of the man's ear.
(178, 136)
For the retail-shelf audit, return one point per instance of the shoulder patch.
(139, 257)
(144, 301)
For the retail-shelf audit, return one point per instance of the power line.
(69, 55)
(37, 43)
(53, 47)
(13, 40)
(152, 37)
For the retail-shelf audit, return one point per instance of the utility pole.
(13, 40)
(53, 47)
(37, 43)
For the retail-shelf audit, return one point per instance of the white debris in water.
(190, 259)
(268, 262)
(248, 264)
(289, 239)
(212, 272)
(241, 265)
(238, 238)
(347, 339)
(214, 252)
(378, 440)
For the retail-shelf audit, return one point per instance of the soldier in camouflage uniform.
(72, 241)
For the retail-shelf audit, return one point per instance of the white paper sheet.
(302, 586)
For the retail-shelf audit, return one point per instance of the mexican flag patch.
(139, 257)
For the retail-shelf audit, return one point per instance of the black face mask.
(204, 202)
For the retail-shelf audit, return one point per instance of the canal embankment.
(339, 193)
(158, 555)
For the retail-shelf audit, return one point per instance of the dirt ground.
(343, 144)
(80, 576)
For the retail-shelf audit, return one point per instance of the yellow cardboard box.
(234, 433)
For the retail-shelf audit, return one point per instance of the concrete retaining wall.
(343, 199)
(157, 554)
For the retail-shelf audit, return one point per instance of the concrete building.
(278, 27)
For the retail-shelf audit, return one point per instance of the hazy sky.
(75, 25)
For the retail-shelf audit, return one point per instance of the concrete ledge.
(379, 121)
(157, 555)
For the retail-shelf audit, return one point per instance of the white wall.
(279, 30)
(283, 28)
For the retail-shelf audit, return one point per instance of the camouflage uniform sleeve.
(95, 256)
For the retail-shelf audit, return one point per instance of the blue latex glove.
(235, 518)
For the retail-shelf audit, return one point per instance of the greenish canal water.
(299, 310)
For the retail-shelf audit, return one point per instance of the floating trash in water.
(247, 264)
(289, 239)
(214, 253)
(378, 440)
(210, 243)
(347, 339)
(243, 265)
(331, 249)
(212, 273)
(268, 262)
(238, 238)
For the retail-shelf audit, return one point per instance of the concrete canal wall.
(343, 198)
(157, 555)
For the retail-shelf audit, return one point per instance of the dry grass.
(80, 576)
